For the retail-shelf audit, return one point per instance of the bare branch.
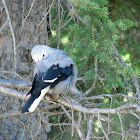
(102, 126)
(106, 95)
(75, 91)
(121, 125)
(16, 114)
(15, 83)
(59, 24)
(93, 86)
(39, 123)
(45, 15)
(121, 109)
(90, 122)
(79, 128)
(134, 79)
(13, 93)
(78, 107)
(12, 32)
(3, 25)
(29, 11)
(76, 15)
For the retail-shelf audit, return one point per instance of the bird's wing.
(57, 74)
(43, 82)
(34, 84)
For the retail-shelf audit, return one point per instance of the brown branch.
(122, 109)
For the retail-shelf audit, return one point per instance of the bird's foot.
(50, 97)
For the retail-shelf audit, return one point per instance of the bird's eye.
(43, 55)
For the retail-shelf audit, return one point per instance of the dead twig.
(12, 33)
(89, 126)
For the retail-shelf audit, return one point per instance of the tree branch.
(16, 114)
(15, 84)
(90, 123)
(134, 79)
(12, 32)
(122, 109)
(93, 85)
(102, 126)
(76, 15)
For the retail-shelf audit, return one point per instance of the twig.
(72, 115)
(26, 85)
(59, 23)
(12, 32)
(76, 15)
(107, 95)
(45, 15)
(16, 114)
(16, 84)
(134, 79)
(29, 11)
(66, 22)
(13, 93)
(39, 123)
(92, 98)
(13, 73)
(75, 91)
(23, 127)
(62, 101)
(79, 129)
(94, 83)
(121, 125)
(89, 127)
(102, 126)
(3, 25)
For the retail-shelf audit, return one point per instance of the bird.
(55, 73)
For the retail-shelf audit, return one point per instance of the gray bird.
(55, 73)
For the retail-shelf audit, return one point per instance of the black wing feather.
(67, 70)
(34, 84)
(55, 73)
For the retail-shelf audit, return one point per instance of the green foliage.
(95, 40)
(108, 22)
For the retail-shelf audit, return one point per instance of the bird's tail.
(32, 103)
(34, 100)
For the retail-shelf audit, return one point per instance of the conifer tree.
(102, 37)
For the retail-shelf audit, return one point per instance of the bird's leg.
(50, 97)
(55, 97)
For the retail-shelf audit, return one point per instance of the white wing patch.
(50, 81)
(37, 101)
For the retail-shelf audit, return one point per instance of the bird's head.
(40, 52)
